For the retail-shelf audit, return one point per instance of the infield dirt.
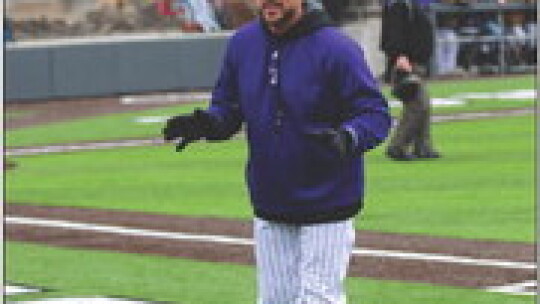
(439, 273)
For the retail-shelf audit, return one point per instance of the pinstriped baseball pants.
(302, 264)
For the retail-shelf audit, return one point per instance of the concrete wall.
(367, 34)
(130, 64)
(112, 65)
(366, 31)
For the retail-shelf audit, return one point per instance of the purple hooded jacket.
(283, 88)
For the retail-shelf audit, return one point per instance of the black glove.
(340, 139)
(189, 128)
(406, 86)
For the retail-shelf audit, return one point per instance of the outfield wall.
(111, 65)
(127, 64)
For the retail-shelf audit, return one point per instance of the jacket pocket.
(320, 162)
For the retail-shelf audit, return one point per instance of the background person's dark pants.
(413, 131)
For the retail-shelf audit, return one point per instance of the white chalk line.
(11, 290)
(454, 100)
(88, 300)
(480, 115)
(393, 254)
(164, 98)
(435, 102)
(158, 141)
(84, 146)
(527, 288)
(505, 95)
(435, 118)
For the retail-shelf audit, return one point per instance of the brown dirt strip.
(371, 267)
(43, 112)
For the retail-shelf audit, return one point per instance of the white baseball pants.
(302, 264)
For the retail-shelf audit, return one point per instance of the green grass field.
(483, 188)
(117, 126)
(449, 88)
(112, 126)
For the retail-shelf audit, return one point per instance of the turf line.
(84, 146)
(393, 254)
(527, 288)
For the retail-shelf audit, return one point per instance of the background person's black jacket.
(406, 30)
(336, 9)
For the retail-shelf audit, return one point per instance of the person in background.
(198, 12)
(470, 29)
(487, 58)
(407, 41)
(8, 30)
(222, 17)
(531, 29)
(517, 38)
(447, 45)
(231, 14)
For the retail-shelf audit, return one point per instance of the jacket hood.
(310, 22)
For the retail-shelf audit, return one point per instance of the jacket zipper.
(275, 84)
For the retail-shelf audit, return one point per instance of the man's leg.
(404, 132)
(325, 253)
(423, 146)
(277, 251)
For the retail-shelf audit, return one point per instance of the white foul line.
(165, 98)
(524, 288)
(11, 290)
(84, 146)
(395, 254)
(403, 255)
(68, 225)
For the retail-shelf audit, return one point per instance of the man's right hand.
(189, 127)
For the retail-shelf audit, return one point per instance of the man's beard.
(282, 22)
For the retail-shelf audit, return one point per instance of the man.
(407, 41)
(337, 9)
(199, 12)
(312, 109)
(232, 14)
(447, 45)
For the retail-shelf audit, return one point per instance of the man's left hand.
(341, 140)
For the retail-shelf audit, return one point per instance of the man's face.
(279, 12)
